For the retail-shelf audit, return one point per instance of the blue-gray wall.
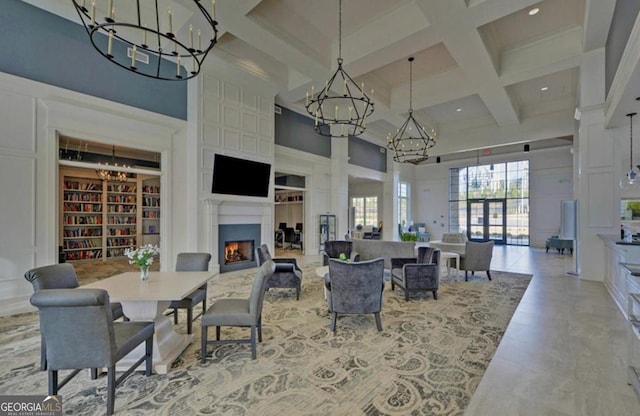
(367, 154)
(44, 47)
(624, 16)
(296, 131)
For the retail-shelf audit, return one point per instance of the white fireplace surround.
(236, 210)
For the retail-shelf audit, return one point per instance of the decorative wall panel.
(17, 120)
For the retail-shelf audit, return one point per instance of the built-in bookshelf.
(100, 219)
(122, 208)
(82, 218)
(151, 211)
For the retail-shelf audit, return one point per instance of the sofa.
(372, 249)
(454, 242)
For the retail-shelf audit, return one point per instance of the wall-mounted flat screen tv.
(234, 176)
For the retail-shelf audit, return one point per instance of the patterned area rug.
(428, 360)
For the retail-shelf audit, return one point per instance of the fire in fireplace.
(238, 251)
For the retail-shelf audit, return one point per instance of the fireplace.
(236, 246)
(239, 251)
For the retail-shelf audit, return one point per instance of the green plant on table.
(409, 237)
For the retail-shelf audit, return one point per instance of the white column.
(210, 229)
(596, 188)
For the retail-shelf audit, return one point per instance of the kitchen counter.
(632, 268)
(622, 269)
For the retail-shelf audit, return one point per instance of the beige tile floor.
(564, 352)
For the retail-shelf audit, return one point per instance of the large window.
(507, 182)
(403, 203)
(365, 210)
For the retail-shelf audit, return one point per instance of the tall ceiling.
(487, 73)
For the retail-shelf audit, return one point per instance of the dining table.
(147, 301)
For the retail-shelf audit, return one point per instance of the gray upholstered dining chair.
(191, 262)
(60, 276)
(287, 273)
(417, 274)
(355, 288)
(238, 312)
(333, 249)
(80, 333)
(477, 258)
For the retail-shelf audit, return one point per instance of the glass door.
(487, 220)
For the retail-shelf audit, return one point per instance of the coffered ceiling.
(487, 73)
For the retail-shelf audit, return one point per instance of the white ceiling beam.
(598, 17)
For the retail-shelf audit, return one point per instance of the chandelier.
(631, 179)
(146, 40)
(411, 141)
(106, 174)
(341, 102)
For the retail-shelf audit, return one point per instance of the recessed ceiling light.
(533, 11)
(544, 88)
(458, 109)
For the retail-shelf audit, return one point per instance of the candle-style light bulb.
(133, 56)
(93, 13)
(110, 45)
(178, 66)
(213, 9)
(170, 21)
(199, 40)
(110, 9)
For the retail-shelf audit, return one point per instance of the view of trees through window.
(365, 210)
(491, 201)
(403, 203)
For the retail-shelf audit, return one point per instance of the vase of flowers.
(143, 258)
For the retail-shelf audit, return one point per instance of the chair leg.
(253, 342)
(203, 345)
(175, 316)
(466, 276)
(189, 320)
(94, 374)
(378, 321)
(111, 389)
(217, 333)
(334, 317)
(435, 294)
(406, 295)
(53, 382)
(149, 355)
(489, 274)
(260, 329)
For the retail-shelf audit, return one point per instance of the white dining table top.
(161, 286)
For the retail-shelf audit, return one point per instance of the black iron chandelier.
(140, 37)
(411, 141)
(341, 103)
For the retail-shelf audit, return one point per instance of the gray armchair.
(477, 258)
(79, 331)
(287, 274)
(417, 274)
(239, 313)
(60, 276)
(355, 288)
(191, 262)
(333, 249)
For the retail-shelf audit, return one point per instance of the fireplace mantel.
(236, 210)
